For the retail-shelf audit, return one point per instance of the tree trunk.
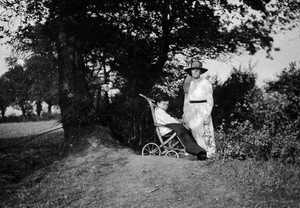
(38, 109)
(106, 110)
(24, 118)
(3, 113)
(49, 108)
(97, 100)
(74, 97)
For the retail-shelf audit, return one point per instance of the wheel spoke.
(172, 153)
(151, 149)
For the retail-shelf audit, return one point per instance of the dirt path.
(110, 177)
(163, 182)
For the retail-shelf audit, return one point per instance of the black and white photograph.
(150, 104)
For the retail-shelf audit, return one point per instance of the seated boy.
(172, 125)
(162, 117)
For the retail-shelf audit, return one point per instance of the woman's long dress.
(197, 115)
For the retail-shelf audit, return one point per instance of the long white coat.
(197, 116)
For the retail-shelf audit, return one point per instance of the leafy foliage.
(6, 97)
(230, 97)
(269, 132)
(43, 74)
(288, 85)
(19, 87)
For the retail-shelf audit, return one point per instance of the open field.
(27, 147)
(23, 129)
(30, 134)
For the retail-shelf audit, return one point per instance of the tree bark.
(49, 108)
(75, 100)
(23, 110)
(3, 113)
(38, 109)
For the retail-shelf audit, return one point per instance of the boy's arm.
(163, 117)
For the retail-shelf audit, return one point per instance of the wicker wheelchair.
(170, 146)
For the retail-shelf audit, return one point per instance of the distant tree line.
(28, 85)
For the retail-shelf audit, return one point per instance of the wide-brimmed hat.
(196, 65)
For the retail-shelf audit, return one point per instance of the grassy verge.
(262, 183)
(19, 161)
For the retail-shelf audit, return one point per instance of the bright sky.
(265, 68)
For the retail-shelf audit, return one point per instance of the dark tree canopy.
(129, 28)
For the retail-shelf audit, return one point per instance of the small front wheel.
(151, 149)
(172, 153)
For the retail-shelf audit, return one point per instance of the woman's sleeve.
(209, 97)
(186, 84)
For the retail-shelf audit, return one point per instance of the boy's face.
(163, 105)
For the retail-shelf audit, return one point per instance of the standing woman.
(198, 104)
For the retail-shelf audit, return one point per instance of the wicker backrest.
(152, 105)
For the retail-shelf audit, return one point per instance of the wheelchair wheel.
(172, 153)
(151, 149)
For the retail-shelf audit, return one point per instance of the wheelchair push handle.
(148, 99)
